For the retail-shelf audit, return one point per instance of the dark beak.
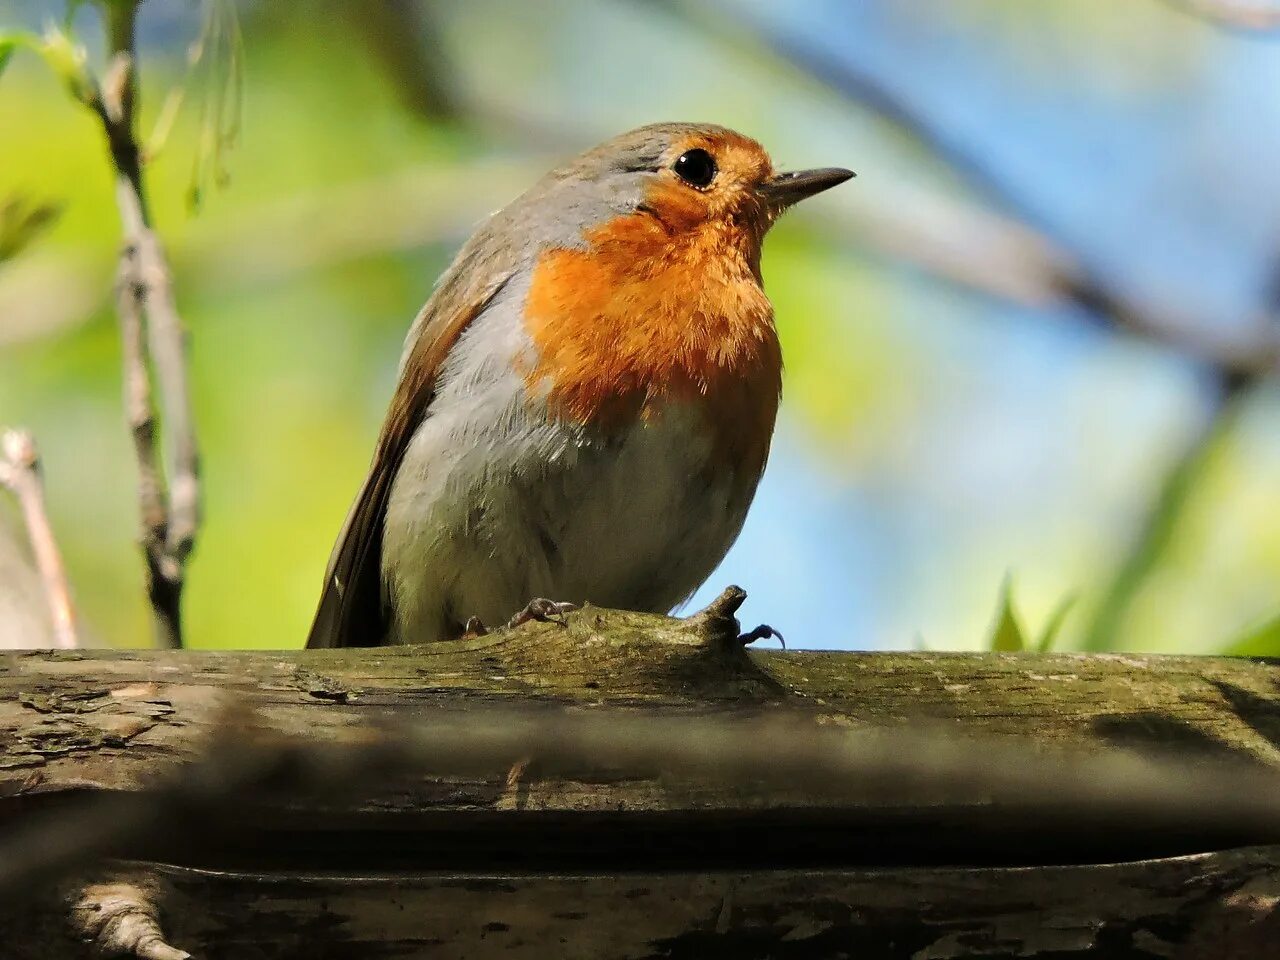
(784, 189)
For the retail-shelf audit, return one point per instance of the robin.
(586, 402)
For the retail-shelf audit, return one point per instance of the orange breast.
(641, 317)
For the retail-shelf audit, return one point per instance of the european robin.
(585, 404)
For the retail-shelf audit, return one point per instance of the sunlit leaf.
(1007, 635)
(10, 43)
(1051, 629)
(7, 46)
(68, 60)
(214, 63)
(65, 58)
(1261, 641)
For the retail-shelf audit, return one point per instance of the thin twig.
(153, 338)
(20, 474)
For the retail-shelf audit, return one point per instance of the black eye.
(695, 167)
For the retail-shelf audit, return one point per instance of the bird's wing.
(352, 611)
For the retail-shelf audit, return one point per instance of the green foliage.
(60, 53)
(1184, 482)
(1054, 625)
(1008, 635)
(21, 221)
(296, 324)
(215, 63)
(297, 294)
(1260, 641)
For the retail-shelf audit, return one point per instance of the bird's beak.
(782, 190)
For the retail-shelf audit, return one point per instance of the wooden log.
(648, 863)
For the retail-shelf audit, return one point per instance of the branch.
(122, 919)
(20, 474)
(1254, 16)
(1046, 267)
(153, 337)
(778, 761)
(1067, 272)
(403, 39)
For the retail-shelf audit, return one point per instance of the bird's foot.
(762, 632)
(542, 610)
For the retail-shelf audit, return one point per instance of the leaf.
(1007, 635)
(1054, 626)
(215, 64)
(7, 46)
(21, 222)
(68, 60)
(69, 14)
(11, 42)
(1262, 640)
(65, 58)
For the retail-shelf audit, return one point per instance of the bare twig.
(153, 337)
(779, 760)
(20, 474)
(121, 918)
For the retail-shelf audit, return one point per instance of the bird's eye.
(695, 167)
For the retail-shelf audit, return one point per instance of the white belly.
(636, 523)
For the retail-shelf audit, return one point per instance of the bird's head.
(692, 181)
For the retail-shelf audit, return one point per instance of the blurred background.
(1030, 350)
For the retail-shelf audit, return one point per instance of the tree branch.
(20, 474)
(778, 761)
(121, 918)
(403, 39)
(1068, 272)
(1254, 16)
(153, 338)
(1236, 363)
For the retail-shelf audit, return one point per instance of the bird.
(584, 405)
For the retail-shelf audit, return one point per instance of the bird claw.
(542, 610)
(762, 632)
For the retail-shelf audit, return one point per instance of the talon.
(762, 632)
(542, 610)
(474, 628)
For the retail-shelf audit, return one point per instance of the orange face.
(711, 184)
